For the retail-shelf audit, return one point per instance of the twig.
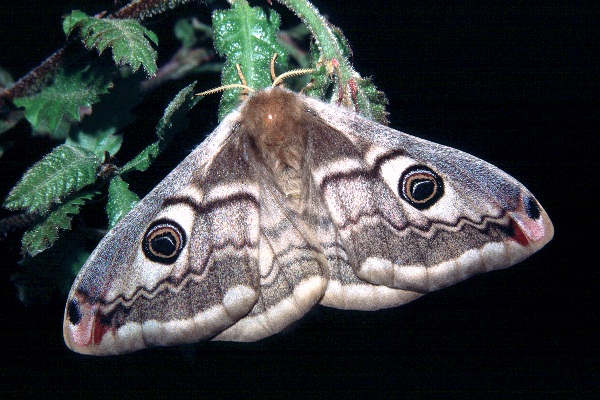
(139, 10)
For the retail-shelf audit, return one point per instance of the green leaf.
(186, 31)
(246, 36)
(144, 159)
(321, 80)
(9, 120)
(126, 37)
(174, 117)
(44, 234)
(65, 170)
(62, 102)
(172, 121)
(289, 39)
(6, 78)
(97, 142)
(120, 200)
(343, 45)
(333, 51)
(371, 101)
(53, 269)
(99, 132)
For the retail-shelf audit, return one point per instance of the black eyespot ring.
(420, 187)
(163, 241)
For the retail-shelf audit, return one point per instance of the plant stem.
(139, 10)
(325, 38)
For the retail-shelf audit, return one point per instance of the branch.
(29, 83)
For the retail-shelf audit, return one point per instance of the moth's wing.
(481, 219)
(345, 289)
(293, 267)
(182, 265)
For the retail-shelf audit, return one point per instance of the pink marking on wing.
(518, 235)
(90, 330)
(534, 230)
(81, 333)
(99, 329)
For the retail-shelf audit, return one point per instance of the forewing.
(393, 228)
(182, 266)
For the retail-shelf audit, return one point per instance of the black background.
(511, 84)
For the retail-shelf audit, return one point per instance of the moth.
(289, 203)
